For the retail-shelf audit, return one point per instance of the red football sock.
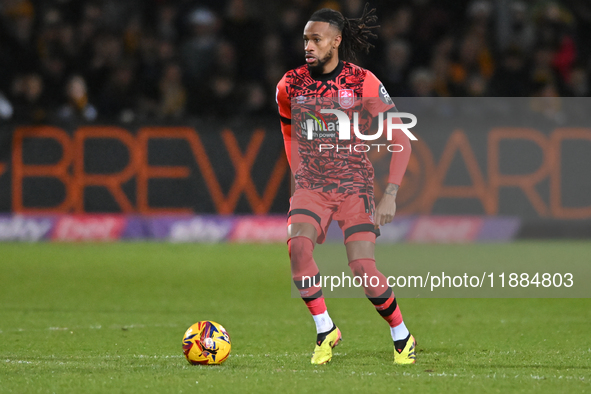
(384, 301)
(305, 274)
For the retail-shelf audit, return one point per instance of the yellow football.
(206, 342)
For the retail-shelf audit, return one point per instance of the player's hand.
(386, 209)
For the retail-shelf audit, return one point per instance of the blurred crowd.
(161, 60)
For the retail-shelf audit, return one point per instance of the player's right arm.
(284, 107)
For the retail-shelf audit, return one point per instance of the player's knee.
(300, 248)
(361, 267)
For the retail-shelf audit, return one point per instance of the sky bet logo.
(319, 128)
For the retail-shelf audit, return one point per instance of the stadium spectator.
(510, 78)
(6, 108)
(520, 31)
(578, 83)
(241, 29)
(173, 95)
(473, 58)
(118, 98)
(107, 56)
(440, 65)
(77, 107)
(220, 96)
(395, 67)
(422, 83)
(30, 104)
(166, 25)
(199, 50)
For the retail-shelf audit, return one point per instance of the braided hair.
(356, 32)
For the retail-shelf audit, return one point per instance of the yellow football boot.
(406, 355)
(323, 350)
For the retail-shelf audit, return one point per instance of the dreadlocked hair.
(356, 32)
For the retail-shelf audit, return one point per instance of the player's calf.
(385, 303)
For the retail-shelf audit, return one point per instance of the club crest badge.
(346, 98)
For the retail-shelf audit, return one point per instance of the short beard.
(317, 69)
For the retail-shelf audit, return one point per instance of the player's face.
(321, 43)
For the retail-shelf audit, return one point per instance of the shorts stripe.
(362, 228)
(306, 212)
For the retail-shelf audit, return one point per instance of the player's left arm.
(386, 209)
(377, 100)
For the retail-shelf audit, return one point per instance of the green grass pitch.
(109, 318)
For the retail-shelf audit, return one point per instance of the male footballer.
(338, 185)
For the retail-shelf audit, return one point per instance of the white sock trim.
(323, 322)
(399, 332)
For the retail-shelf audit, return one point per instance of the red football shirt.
(346, 170)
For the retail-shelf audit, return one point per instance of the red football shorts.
(353, 213)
